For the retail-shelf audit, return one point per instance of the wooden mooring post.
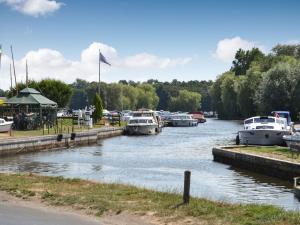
(187, 185)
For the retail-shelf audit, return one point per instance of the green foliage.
(262, 83)
(55, 90)
(186, 101)
(243, 60)
(98, 112)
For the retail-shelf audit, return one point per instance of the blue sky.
(160, 39)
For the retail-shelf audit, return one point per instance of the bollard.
(186, 190)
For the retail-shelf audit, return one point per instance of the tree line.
(173, 96)
(259, 83)
(256, 84)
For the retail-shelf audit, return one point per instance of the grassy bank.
(100, 199)
(276, 152)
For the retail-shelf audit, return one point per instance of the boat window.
(264, 127)
(142, 121)
(264, 120)
(1, 121)
(133, 121)
(248, 121)
(150, 121)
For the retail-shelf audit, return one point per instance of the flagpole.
(0, 55)
(99, 73)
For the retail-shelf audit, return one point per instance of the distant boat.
(144, 123)
(5, 126)
(198, 116)
(182, 120)
(263, 130)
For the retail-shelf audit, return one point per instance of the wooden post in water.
(187, 185)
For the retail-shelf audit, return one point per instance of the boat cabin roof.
(264, 119)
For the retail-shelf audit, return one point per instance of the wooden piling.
(187, 185)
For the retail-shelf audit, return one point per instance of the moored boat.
(263, 130)
(144, 122)
(5, 126)
(182, 120)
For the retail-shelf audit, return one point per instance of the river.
(158, 162)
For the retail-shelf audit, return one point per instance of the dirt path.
(15, 211)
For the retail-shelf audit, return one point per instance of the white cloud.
(49, 63)
(227, 48)
(145, 60)
(34, 7)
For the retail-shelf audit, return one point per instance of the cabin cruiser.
(182, 120)
(263, 130)
(5, 126)
(144, 122)
(293, 139)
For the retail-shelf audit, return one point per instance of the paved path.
(11, 214)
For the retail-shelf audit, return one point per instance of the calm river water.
(158, 162)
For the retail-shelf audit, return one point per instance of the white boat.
(182, 120)
(144, 122)
(293, 139)
(5, 126)
(265, 130)
(142, 126)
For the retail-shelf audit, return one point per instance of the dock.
(282, 169)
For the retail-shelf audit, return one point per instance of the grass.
(100, 198)
(276, 152)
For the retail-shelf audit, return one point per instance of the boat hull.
(291, 139)
(142, 130)
(183, 123)
(5, 127)
(262, 137)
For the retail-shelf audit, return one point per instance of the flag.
(103, 59)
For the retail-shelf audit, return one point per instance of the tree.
(275, 89)
(146, 97)
(229, 97)
(246, 87)
(79, 99)
(287, 50)
(98, 112)
(56, 90)
(243, 60)
(186, 101)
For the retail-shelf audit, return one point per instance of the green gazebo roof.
(30, 96)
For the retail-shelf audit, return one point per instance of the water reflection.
(158, 162)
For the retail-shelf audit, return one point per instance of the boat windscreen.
(264, 120)
(248, 121)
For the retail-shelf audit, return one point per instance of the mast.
(26, 74)
(13, 61)
(11, 87)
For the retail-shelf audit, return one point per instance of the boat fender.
(266, 135)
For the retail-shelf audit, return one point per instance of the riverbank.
(107, 199)
(273, 161)
(12, 146)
